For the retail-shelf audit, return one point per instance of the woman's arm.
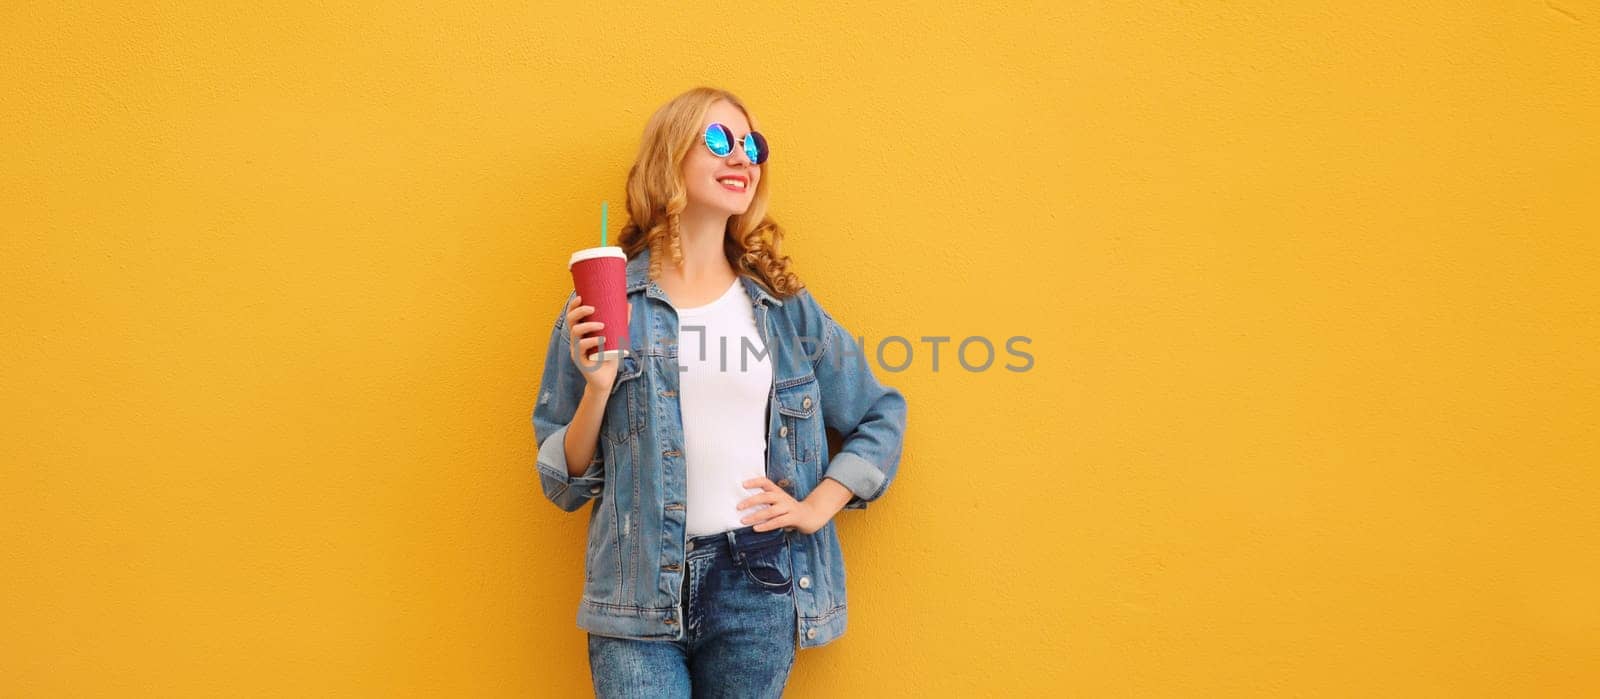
(830, 496)
(583, 432)
(870, 416)
(568, 415)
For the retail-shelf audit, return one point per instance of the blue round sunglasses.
(720, 141)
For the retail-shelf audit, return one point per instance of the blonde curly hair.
(656, 198)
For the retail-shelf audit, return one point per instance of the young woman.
(711, 553)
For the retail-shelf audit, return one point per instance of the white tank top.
(723, 395)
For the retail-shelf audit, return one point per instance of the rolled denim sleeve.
(560, 388)
(870, 416)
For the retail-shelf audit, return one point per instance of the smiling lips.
(734, 183)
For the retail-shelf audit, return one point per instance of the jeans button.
(783, 431)
(811, 632)
(688, 546)
(594, 490)
(806, 403)
(805, 581)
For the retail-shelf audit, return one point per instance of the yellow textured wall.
(1311, 287)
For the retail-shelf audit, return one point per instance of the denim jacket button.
(806, 403)
(783, 431)
(811, 632)
(805, 581)
(594, 490)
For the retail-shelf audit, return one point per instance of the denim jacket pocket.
(799, 403)
(625, 415)
(602, 559)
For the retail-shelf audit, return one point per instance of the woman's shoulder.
(808, 316)
(801, 302)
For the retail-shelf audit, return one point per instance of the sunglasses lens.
(719, 140)
(755, 146)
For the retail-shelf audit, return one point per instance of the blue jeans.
(739, 636)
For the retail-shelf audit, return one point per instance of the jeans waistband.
(742, 539)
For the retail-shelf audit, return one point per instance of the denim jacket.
(821, 380)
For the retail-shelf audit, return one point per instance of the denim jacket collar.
(639, 279)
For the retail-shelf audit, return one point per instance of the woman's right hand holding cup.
(599, 375)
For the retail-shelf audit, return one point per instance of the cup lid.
(591, 253)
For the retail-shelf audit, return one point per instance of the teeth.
(735, 183)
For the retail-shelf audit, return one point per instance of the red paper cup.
(600, 277)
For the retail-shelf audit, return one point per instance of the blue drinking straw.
(602, 224)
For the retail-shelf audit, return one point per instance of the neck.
(702, 246)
